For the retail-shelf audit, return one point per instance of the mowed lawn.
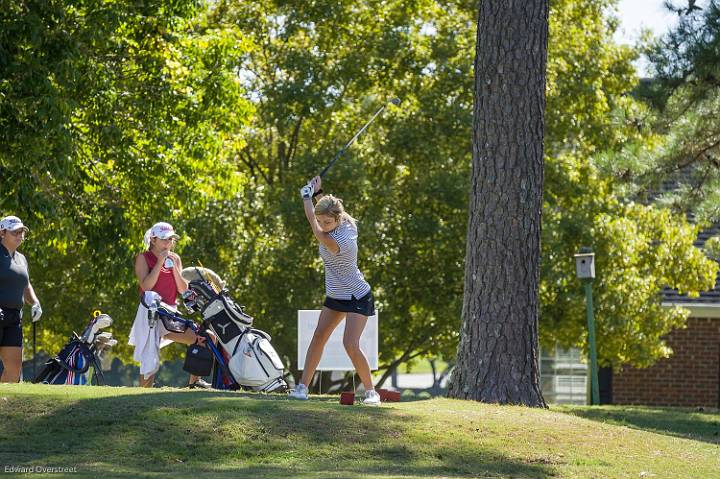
(130, 432)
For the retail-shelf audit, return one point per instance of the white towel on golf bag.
(147, 342)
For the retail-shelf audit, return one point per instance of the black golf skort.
(364, 305)
(11, 329)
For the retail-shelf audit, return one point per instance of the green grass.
(130, 432)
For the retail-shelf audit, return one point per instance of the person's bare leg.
(188, 337)
(354, 326)
(329, 320)
(12, 361)
(146, 383)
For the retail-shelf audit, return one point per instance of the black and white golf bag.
(253, 362)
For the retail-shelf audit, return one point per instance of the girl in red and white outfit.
(158, 269)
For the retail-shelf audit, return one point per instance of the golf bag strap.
(219, 360)
(256, 332)
(261, 333)
(237, 345)
(165, 314)
(65, 366)
(239, 308)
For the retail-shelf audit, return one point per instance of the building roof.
(706, 298)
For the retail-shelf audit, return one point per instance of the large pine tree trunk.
(497, 359)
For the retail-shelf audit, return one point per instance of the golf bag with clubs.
(72, 364)
(250, 359)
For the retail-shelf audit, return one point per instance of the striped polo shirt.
(343, 279)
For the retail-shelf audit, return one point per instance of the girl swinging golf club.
(348, 294)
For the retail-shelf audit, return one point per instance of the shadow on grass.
(237, 435)
(699, 426)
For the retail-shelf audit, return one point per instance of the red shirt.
(165, 285)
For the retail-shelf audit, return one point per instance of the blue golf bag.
(71, 366)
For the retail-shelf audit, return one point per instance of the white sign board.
(334, 357)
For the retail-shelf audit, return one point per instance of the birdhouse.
(585, 265)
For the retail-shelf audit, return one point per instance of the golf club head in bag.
(104, 348)
(101, 341)
(100, 321)
(204, 285)
(199, 294)
(103, 337)
(197, 273)
(190, 301)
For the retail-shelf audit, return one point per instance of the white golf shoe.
(372, 398)
(300, 392)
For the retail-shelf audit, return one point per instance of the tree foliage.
(639, 249)
(211, 115)
(685, 95)
(113, 117)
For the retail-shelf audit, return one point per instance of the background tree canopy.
(211, 115)
(113, 117)
(684, 92)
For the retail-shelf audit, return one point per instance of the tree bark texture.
(497, 359)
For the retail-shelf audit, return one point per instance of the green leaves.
(212, 115)
(686, 93)
(114, 117)
(639, 250)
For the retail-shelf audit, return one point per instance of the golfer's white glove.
(36, 312)
(307, 192)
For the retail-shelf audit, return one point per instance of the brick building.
(691, 376)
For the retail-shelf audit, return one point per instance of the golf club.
(394, 101)
(105, 347)
(207, 277)
(101, 321)
(34, 333)
(98, 345)
(102, 338)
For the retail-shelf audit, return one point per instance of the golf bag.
(250, 358)
(219, 311)
(255, 364)
(72, 364)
